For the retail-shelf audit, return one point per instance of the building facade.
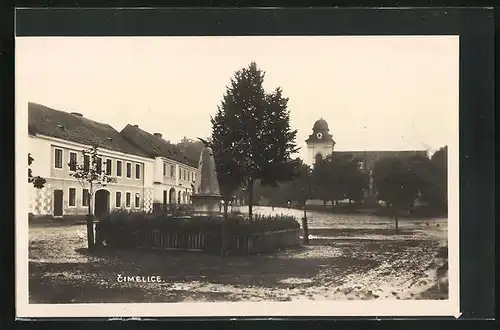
(174, 174)
(57, 138)
(321, 144)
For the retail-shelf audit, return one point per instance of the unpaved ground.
(340, 263)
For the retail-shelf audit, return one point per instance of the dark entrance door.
(171, 197)
(101, 203)
(58, 203)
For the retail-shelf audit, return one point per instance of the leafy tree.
(322, 178)
(275, 194)
(357, 180)
(190, 148)
(300, 190)
(229, 177)
(37, 181)
(395, 184)
(338, 177)
(436, 192)
(91, 175)
(253, 127)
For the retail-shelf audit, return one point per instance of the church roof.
(320, 126)
(370, 157)
(321, 133)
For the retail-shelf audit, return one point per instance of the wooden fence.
(211, 242)
(172, 241)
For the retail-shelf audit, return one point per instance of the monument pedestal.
(206, 198)
(206, 204)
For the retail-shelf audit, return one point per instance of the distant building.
(58, 137)
(321, 144)
(174, 175)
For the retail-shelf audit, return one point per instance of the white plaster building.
(320, 143)
(174, 174)
(56, 137)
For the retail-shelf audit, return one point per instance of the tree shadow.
(263, 271)
(301, 267)
(67, 294)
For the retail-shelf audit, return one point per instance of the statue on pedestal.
(206, 197)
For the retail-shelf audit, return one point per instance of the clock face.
(319, 136)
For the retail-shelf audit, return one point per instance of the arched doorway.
(101, 204)
(179, 197)
(171, 196)
(318, 158)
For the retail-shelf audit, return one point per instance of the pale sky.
(376, 93)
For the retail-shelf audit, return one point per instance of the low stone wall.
(267, 242)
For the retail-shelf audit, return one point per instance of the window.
(318, 158)
(58, 156)
(127, 199)
(164, 169)
(180, 173)
(137, 200)
(86, 163)
(118, 168)
(108, 166)
(189, 176)
(99, 165)
(129, 170)
(184, 174)
(137, 171)
(72, 196)
(85, 197)
(118, 200)
(172, 171)
(72, 161)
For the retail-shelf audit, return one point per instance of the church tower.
(320, 143)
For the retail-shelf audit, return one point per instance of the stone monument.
(206, 197)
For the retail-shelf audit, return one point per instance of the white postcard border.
(449, 307)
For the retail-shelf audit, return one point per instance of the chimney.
(157, 134)
(77, 114)
(136, 126)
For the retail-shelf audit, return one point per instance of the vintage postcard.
(237, 176)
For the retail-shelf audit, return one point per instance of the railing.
(171, 241)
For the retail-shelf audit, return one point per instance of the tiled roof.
(370, 157)
(155, 146)
(383, 153)
(73, 127)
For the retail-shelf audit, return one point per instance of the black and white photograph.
(190, 176)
